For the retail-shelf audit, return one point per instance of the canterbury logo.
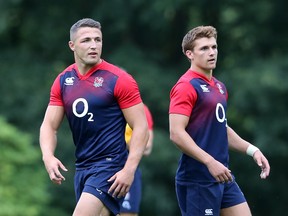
(208, 211)
(205, 88)
(69, 81)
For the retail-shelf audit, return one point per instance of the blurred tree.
(22, 179)
(158, 171)
(145, 38)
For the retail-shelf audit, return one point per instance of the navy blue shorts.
(94, 181)
(199, 199)
(132, 200)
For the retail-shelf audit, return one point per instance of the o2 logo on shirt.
(85, 110)
(220, 113)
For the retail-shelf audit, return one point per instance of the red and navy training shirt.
(92, 105)
(205, 103)
(149, 118)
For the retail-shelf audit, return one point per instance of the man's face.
(87, 45)
(204, 55)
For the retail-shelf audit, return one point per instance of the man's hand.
(122, 182)
(263, 163)
(52, 165)
(219, 171)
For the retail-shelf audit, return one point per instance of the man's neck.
(206, 73)
(84, 68)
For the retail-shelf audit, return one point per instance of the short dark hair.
(196, 33)
(85, 22)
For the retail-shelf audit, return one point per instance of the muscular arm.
(135, 117)
(52, 120)
(149, 144)
(183, 140)
(187, 145)
(48, 142)
(238, 144)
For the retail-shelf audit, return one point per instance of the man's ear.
(189, 54)
(71, 45)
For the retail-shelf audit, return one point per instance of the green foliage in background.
(144, 37)
(22, 180)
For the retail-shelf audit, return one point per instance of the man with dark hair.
(198, 126)
(98, 98)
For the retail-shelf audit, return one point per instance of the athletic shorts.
(94, 181)
(132, 200)
(204, 199)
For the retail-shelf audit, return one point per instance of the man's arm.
(187, 145)
(48, 142)
(149, 145)
(237, 143)
(135, 117)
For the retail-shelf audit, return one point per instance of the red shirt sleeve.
(182, 99)
(127, 91)
(55, 93)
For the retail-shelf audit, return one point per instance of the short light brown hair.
(196, 33)
(85, 22)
